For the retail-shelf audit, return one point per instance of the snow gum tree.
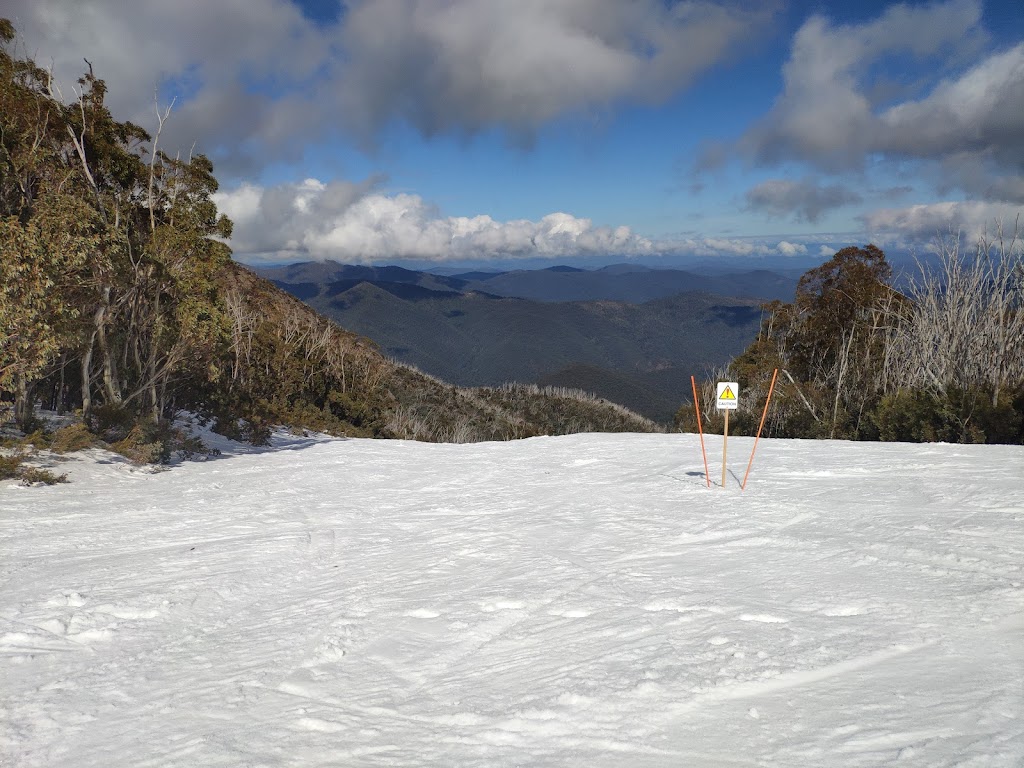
(108, 248)
(42, 263)
(860, 360)
(827, 345)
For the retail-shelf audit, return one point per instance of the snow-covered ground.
(572, 601)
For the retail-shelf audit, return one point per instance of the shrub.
(33, 426)
(35, 476)
(9, 466)
(112, 422)
(155, 442)
(956, 416)
(190, 446)
(37, 438)
(253, 431)
(74, 437)
(139, 446)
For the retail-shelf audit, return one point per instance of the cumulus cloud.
(244, 71)
(710, 247)
(256, 80)
(806, 200)
(826, 114)
(356, 223)
(925, 223)
(838, 113)
(981, 111)
(787, 248)
(465, 65)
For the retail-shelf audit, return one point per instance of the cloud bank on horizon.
(469, 130)
(343, 221)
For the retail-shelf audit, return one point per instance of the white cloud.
(838, 112)
(356, 223)
(257, 80)
(791, 249)
(353, 223)
(925, 223)
(806, 200)
(465, 65)
(224, 58)
(711, 247)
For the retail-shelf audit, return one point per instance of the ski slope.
(571, 601)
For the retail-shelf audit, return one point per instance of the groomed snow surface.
(571, 601)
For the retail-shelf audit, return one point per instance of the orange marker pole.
(750, 463)
(696, 407)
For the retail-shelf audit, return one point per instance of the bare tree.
(964, 325)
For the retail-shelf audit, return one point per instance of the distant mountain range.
(630, 334)
(619, 282)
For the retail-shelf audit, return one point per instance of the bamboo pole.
(750, 463)
(700, 429)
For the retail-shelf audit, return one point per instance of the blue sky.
(468, 132)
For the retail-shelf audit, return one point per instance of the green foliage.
(37, 476)
(253, 431)
(13, 466)
(111, 422)
(10, 466)
(955, 416)
(41, 263)
(831, 301)
(861, 361)
(157, 441)
(74, 437)
(141, 446)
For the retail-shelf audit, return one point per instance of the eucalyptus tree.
(109, 247)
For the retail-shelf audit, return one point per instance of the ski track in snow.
(581, 600)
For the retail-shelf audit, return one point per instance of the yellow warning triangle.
(727, 394)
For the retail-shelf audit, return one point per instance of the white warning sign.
(728, 395)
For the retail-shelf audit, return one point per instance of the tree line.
(118, 295)
(942, 360)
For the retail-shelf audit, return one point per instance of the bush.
(140, 447)
(13, 467)
(35, 476)
(9, 466)
(253, 431)
(74, 437)
(955, 416)
(190, 446)
(37, 438)
(156, 442)
(33, 426)
(112, 422)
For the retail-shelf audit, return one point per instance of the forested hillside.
(640, 355)
(119, 300)
(632, 283)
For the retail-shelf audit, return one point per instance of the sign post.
(728, 400)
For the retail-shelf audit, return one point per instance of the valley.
(627, 333)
